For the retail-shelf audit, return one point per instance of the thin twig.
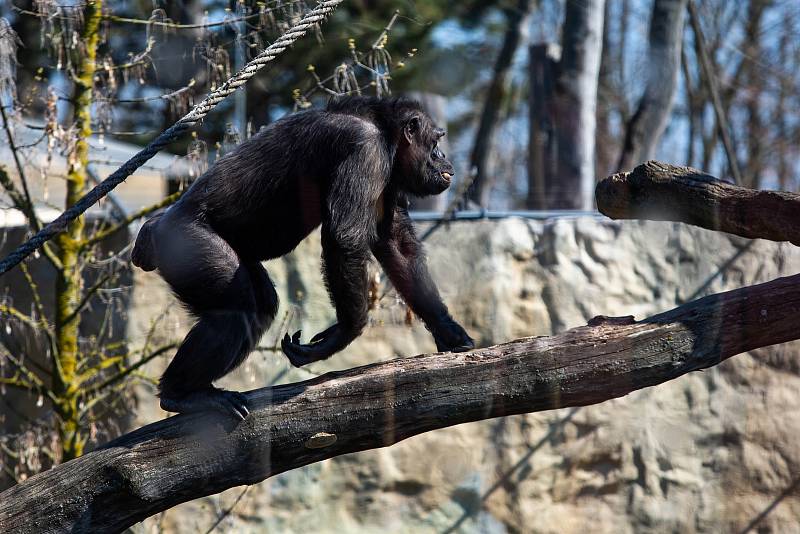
(711, 84)
(163, 24)
(227, 512)
(108, 232)
(381, 38)
(16, 197)
(36, 382)
(177, 25)
(87, 297)
(21, 172)
(119, 376)
(18, 315)
(37, 302)
(22, 203)
(166, 96)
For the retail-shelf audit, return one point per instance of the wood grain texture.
(663, 192)
(190, 456)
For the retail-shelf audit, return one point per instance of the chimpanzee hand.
(450, 337)
(322, 346)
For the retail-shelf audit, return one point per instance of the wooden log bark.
(662, 192)
(190, 456)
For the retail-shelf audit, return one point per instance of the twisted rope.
(318, 14)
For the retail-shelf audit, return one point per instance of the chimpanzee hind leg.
(234, 302)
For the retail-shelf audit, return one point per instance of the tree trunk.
(69, 288)
(756, 132)
(563, 112)
(664, 54)
(516, 19)
(782, 153)
(542, 62)
(694, 109)
(608, 93)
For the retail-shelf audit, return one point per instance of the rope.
(318, 14)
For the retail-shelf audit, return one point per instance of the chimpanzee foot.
(228, 402)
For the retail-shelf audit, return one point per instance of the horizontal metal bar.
(468, 215)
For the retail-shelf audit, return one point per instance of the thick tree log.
(662, 192)
(186, 457)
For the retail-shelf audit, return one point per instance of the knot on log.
(601, 320)
(320, 440)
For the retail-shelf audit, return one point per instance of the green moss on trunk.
(69, 282)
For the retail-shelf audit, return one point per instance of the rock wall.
(714, 451)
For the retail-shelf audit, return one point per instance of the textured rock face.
(710, 452)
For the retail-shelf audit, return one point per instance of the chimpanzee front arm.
(400, 254)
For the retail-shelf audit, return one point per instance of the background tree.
(563, 104)
(516, 20)
(647, 124)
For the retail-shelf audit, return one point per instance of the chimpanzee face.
(425, 169)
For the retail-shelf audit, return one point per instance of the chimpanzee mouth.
(446, 176)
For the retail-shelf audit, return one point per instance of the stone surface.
(710, 452)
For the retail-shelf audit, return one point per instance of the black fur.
(347, 168)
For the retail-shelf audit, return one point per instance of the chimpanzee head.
(422, 167)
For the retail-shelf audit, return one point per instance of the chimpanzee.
(348, 168)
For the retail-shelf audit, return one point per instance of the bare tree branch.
(662, 192)
(109, 231)
(711, 83)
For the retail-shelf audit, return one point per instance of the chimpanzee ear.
(411, 129)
